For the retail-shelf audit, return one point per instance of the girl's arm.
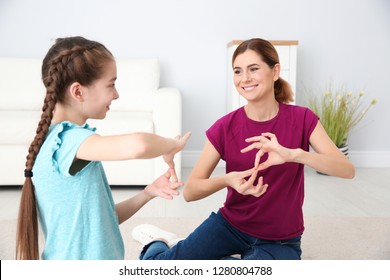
(130, 146)
(162, 187)
(199, 184)
(327, 158)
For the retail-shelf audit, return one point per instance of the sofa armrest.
(167, 118)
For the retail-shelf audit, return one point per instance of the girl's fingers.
(173, 192)
(173, 177)
(187, 136)
(168, 174)
(175, 185)
(168, 194)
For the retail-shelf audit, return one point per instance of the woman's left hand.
(267, 143)
(164, 186)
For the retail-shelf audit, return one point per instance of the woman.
(265, 145)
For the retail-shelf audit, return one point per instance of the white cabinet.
(287, 51)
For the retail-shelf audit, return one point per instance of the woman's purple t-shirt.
(277, 214)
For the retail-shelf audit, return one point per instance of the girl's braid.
(69, 60)
(55, 82)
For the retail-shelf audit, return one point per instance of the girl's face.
(99, 95)
(253, 78)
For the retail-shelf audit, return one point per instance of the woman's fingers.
(246, 184)
(256, 145)
(253, 139)
(257, 190)
(259, 154)
(260, 190)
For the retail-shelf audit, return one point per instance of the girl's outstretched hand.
(164, 186)
(267, 143)
(243, 186)
(180, 143)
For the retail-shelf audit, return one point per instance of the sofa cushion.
(19, 127)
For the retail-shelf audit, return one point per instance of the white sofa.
(142, 107)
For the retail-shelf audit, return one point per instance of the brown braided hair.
(69, 60)
(269, 55)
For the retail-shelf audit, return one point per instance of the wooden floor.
(367, 195)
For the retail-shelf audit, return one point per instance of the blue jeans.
(216, 239)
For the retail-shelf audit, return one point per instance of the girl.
(265, 145)
(69, 189)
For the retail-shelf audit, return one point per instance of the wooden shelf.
(273, 42)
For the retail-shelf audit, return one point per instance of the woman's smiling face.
(253, 78)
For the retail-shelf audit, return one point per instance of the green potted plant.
(339, 112)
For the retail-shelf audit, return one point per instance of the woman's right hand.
(237, 181)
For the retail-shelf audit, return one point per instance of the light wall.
(345, 41)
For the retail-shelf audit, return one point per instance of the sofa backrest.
(137, 82)
(21, 87)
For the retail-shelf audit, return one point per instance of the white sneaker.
(146, 234)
